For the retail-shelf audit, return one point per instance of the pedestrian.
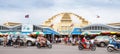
(69, 41)
(5, 40)
(56, 39)
(10, 40)
(66, 40)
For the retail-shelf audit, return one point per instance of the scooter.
(82, 46)
(47, 44)
(111, 48)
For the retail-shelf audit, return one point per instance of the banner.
(27, 28)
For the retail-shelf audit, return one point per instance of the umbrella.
(105, 32)
(5, 33)
(1, 33)
(85, 33)
(113, 32)
(10, 33)
(118, 32)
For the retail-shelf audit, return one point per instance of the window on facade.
(90, 28)
(98, 27)
(86, 28)
(0, 28)
(19, 28)
(101, 28)
(95, 27)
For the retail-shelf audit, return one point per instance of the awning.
(49, 31)
(76, 31)
(26, 33)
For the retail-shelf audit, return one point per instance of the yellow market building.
(64, 23)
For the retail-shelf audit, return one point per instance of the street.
(57, 49)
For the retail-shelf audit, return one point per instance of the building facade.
(64, 23)
(98, 28)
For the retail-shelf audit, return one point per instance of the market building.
(64, 23)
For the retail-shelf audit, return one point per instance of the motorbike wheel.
(80, 47)
(29, 43)
(110, 49)
(38, 45)
(93, 48)
(50, 46)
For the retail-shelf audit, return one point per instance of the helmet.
(114, 36)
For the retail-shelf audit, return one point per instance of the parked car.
(102, 41)
(29, 41)
(1, 40)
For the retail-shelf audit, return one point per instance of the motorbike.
(82, 46)
(18, 43)
(111, 48)
(47, 44)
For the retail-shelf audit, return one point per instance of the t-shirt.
(111, 40)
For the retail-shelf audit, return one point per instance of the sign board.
(27, 28)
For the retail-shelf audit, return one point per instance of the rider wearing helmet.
(85, 40)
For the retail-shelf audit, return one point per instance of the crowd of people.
(7, 40)
(67, 40)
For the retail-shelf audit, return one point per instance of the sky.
(41, 10)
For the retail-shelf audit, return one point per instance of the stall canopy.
(90, 32)
(49, 31)
(76, 31)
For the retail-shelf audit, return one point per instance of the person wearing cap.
(41, 39)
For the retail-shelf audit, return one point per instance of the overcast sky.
(40, 10)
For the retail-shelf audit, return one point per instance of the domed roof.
(74, 18)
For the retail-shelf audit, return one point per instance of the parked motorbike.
(82, 46)
(47, 44)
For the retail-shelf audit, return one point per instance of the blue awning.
(76, 31)
(49, 31)
(25, 33)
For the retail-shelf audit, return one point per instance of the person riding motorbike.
(85, 41)
(114, 42)
(17, 41)
(42, 40)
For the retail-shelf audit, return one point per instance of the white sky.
(40, 10)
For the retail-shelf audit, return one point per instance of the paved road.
(57, 49)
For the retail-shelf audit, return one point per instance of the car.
(29, 41)
(102, 41)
